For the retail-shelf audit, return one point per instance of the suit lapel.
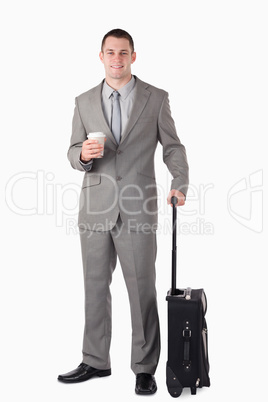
(141, 99)
(95, 102)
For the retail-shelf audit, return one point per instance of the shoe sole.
(145, 392)
(104, 373)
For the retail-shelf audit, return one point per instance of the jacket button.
(119, 152)
(118, 178)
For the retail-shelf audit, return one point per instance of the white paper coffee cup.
(100, 137)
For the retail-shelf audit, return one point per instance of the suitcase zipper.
(205, 355)
(204, 335)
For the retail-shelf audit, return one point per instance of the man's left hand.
(179, 195)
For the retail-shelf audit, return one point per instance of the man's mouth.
(117, 67)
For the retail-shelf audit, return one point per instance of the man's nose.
(117, 57)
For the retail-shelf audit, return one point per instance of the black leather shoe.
(83, 373)
(145, 384)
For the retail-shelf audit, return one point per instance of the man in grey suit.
(118, 206)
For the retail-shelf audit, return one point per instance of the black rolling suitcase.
(187, 364)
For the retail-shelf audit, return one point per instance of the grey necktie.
(116, 117)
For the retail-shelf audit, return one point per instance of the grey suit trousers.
(137, 254)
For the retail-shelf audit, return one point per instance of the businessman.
(118, 206)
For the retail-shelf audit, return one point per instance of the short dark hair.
(118, 33)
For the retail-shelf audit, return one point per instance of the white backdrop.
(211, 56)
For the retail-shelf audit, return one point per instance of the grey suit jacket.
(123, 181)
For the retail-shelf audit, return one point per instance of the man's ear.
(133, 57)
(101, 56)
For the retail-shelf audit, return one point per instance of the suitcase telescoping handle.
(185, 293)
(174, 201)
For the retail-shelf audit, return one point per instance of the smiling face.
(117, 57)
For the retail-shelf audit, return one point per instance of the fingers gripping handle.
(174, 201)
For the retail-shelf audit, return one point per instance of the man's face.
(117, 58)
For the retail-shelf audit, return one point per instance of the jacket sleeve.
(79, 135)
(174, 154)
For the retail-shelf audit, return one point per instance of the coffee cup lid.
(97, 134)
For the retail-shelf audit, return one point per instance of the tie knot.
(116, 95)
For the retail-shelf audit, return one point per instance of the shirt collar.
(124, 91)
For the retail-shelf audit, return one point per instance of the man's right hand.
(90, 149)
